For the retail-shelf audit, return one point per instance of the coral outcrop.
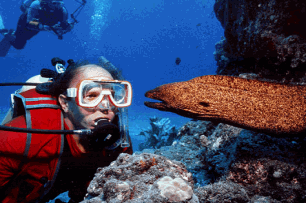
(222, 192)
(266, 37)
(236, 165)
(187, 150)
(217, 162)
(161, 133)
(142, 178)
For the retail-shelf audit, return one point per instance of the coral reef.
(142, 178)
(219, 153)
(241, 165)
(265, 37)
(176, 190)
(222, 192)
(223, 164)
(160, 134)
(187, 149)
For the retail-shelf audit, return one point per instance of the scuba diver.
(38, 15)
(62, 130)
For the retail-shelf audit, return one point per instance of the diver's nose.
(105, 104)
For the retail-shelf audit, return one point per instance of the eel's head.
(158, 93)
(179, 98)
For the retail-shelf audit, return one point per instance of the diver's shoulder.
(18, 122)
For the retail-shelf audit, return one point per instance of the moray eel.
(251, 104)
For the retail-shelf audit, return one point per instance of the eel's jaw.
(161, 105)
(157, 105)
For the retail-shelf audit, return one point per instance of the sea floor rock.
(227, 164)
(269, 169)
(222, 192)
(282, 181)
(142, 178)
(188, 149)
(265, 37)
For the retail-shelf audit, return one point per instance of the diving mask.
(91, 92)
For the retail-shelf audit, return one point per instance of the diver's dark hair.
(61, 83)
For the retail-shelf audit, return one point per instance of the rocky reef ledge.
(142, 178)
(210, 163)
(262, 37)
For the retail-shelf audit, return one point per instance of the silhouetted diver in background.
(38, 15)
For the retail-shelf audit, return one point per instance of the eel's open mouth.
(156, 105)
(161, 105)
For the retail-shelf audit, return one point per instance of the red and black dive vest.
(37, 156)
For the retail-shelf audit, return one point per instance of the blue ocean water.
(142, 38)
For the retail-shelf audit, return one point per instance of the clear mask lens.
(118, 93)
(91, 93)
(106, 104)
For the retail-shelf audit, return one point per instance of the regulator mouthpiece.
(60, 68)
(104, 135)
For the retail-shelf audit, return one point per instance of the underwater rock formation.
(142, 178)
(269, 166)
(222, 192)
(240, 165)
(266, 37)
(228, 164)
(187, 150)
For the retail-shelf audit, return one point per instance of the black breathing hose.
(41, 131)
(19, 83)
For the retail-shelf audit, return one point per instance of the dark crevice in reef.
(267, 38)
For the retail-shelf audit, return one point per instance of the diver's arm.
(35, 25)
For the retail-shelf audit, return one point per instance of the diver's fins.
(5, 44)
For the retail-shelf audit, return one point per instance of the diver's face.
(82, 117)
